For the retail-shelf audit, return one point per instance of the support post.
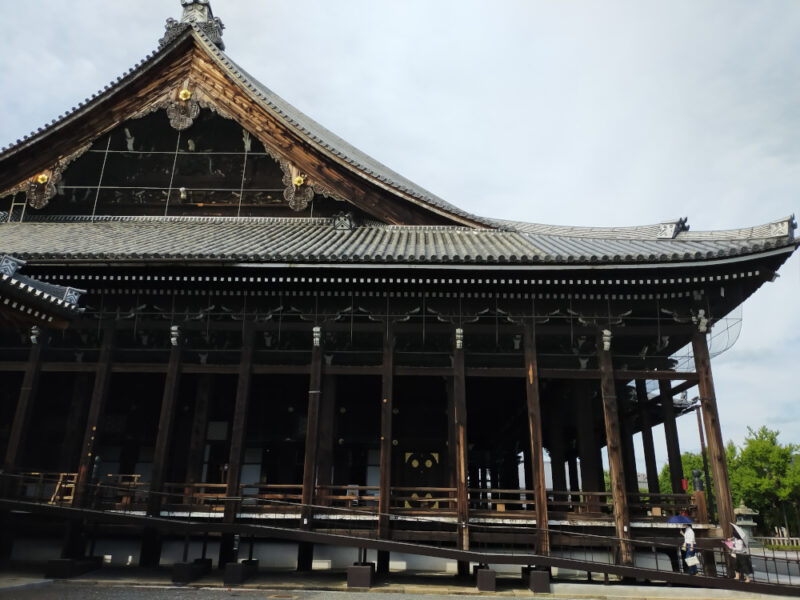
(327, 421)
(227, 552)
(614, 446)
(102, 380)
(535, 432)
(151, 539)
(671, 436)
(628, 452)
(647, 437)
(460, 413)
(161, 451)
(197, 441)
(80, 399)
(27, 397)
(591, 463)
(312, 428)
(387, 387)
(716, 446)
(557, 449)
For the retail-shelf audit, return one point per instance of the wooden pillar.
(647, 437)
(614, 446)
(81, 393)
(102, 379)
(671, 435)
(226, 550)
(572, 469)
(535, 432)
(716, 446)
(628, 451)
(460, 413)
(163, 437)
(588, 445)
(312, 428)
(558, 449)
(197, 441)
(452, 436)
(327, 421)
(27, 396)
(387, 387)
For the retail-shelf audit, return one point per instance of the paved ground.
(124, 584)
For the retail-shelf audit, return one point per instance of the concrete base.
(238, 573)
(64, 568)
(188, 572)
(361, 575)
(486, 580)
(537, 580)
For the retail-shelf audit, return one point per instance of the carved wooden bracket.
(43, 187)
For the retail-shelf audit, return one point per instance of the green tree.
(689, 461)
(765, 474)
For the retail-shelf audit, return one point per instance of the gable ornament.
(43, 187)
(183, 110)
(298, 191)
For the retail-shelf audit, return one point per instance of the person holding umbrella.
(743, 566)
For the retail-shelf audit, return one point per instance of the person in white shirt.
(689, 545)
(742, 564)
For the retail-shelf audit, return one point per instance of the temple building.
(271, 319)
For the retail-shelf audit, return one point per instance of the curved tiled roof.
(27, 294)
(316, 240)
(268, 239)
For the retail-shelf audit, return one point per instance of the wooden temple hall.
(210, 298)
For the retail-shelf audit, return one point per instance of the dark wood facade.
(373, 347)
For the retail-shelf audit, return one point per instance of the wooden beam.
(647, 437)
(614, 447)
(387, 393)
(671, 436)
(716, 445)
(533, 402)
(460, 410)
(22, 416)
(102, 380)
(312, 429)
(164, 435)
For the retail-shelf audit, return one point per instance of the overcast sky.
(567, 112)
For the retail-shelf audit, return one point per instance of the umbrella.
(679, 519)
(740, 533)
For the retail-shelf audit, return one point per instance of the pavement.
(138, 583)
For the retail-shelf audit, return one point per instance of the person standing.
(689, 546)
(743, 564)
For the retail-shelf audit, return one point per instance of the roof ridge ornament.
(198, 14)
